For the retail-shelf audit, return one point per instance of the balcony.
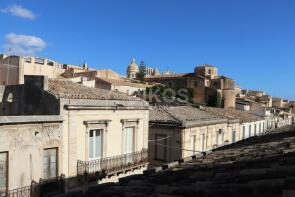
(24, 192)
(112, 165)
(27, 191)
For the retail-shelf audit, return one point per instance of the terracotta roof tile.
(123, 82)
(232, 114)
(183, 116)
(70, 90)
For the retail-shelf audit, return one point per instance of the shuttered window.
(95, 143)
(128, 140)
(50, 163)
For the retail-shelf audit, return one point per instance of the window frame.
(244, 132)
(101, 138)
(94, 125)
(209, 72)
(133, 139)
(130, 123)
(234, 136)
(56, 163)
(39, 61)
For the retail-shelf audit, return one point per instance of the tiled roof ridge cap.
(165, 109)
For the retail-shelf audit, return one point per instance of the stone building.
(132, 69)
(280, 102)
(106, 79)
(119, 122)
(181, 131)
(152, 71)
(259, 166)
(102, 135)
(31, 147)
(122, 85)
(249, 124)
(258, 108)
(13, 69)
(256, 96)
(208, 87)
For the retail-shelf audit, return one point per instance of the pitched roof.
(233, 114)
(182, 116)
(184, 75)
(123, 82)
(70, 90)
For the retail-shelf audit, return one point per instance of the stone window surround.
(96, 124)
(130, 123)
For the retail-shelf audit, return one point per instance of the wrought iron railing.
(52, 186)
(38, 189)
(112, 164)
(27, 191)
(23, 192)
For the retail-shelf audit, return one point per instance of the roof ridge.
(70, 90)
(173, 116)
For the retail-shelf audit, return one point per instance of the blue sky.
(250, 41)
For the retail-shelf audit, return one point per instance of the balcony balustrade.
(109, 165)
(27, 191)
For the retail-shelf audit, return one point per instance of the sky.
(250, 41)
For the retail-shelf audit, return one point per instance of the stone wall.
(25, 140)
(78, 123)
(179, 144)
(27, 100)
(229, 98)
(259, 166)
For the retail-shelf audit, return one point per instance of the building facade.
(177, 132)
(208, 88)
(121, 85)
(249, 124)
(93, 135)
(31, 148)
(181, 131)
(15, 68)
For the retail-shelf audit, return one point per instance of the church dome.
(132, 69)
(156, 72)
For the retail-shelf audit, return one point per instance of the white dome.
(132, 69)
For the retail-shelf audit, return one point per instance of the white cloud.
(17, 10)
(23, 44)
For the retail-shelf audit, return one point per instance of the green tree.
(142, 71)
